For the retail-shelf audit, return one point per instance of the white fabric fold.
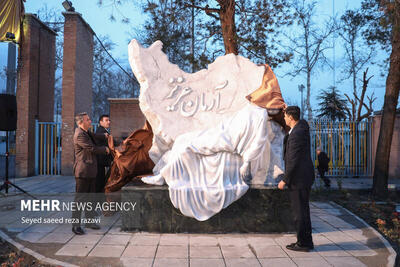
(202, 168)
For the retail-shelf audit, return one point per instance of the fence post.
(51, 149)
(59, 148)
(36, 147)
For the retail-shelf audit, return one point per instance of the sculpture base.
(261, 210)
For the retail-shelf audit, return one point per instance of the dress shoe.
(291, 245)
(297, 247)
(77, 230)
(92, 226)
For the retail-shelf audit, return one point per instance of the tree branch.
(352, 102)
(251, 52)
(364, 89)
(209, 11)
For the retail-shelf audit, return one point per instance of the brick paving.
(340, 238)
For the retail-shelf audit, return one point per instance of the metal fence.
(47, 148)
(347, 144)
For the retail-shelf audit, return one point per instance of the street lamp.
(10, 71)
(68, 6)
(10, 35)
(301, 89)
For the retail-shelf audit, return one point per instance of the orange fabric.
(268, 95)
(131, 158)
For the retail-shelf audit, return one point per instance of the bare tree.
(358, 101)
(384, 28)
(357, 55)
(310, 45)
(108, 80)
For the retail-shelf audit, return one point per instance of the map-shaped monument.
(205, 128)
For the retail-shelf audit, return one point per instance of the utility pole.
(334, 41)
(301, 89)
(192, 44)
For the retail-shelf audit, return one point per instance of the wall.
(77, 81)
(35, 89)
(394, 162)
(126, 116)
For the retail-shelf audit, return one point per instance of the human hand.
(281, 185)
(107, 150)
(244, 170)
(106, 135)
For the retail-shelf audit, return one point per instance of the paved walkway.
(340, 238)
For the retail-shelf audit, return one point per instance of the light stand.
(7, 183)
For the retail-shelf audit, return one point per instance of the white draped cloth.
(202, 169)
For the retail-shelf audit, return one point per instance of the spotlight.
(68, 6)
(10, 35)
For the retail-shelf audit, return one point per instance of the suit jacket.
(85, 154)
(323, 161)
(104, 160)
(299, 168)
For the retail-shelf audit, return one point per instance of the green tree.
(384, 29)
(213, 28)
(332, 105)
(174, 24)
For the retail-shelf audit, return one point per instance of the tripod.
(7, 183)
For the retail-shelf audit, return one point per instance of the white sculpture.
(206, 133)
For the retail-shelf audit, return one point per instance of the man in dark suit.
(323, 166)
(85, 169)
(103, 161)
(299, 176)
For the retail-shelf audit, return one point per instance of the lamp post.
(301, 89)
(68, 6)
(10, 71)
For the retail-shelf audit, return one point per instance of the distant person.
(299, 176)
(103, 161)
(323, 166)
(85, 169)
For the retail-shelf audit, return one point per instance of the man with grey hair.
(85, 169)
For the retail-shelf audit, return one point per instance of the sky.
(120, 33)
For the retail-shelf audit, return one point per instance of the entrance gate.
(47, 148)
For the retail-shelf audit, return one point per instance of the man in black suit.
(299, 176)
(103, 161)
(85, 169)
(323, 166)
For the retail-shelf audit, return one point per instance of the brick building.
(76, 81)
(35, 89)
(125, 116)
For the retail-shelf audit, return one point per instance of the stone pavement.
(340, 238)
